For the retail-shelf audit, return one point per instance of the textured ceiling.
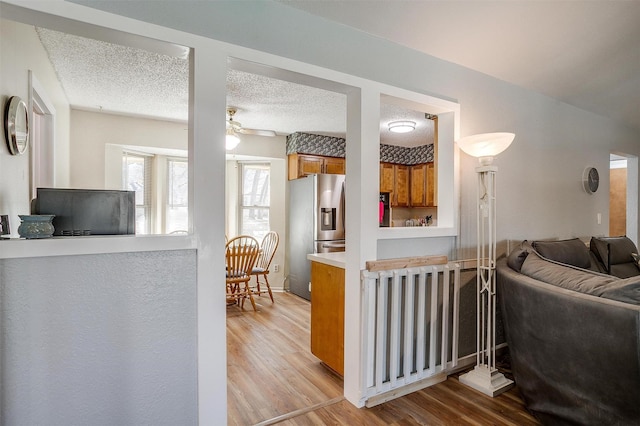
(100, 76)
(97, 75)
(583, 52)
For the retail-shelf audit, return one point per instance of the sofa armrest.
(575, 357)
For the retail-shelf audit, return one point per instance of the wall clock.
(16, 125)
(590, 180)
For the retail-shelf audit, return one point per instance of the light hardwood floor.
(274, 378)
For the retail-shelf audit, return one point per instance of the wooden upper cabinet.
(394, 179)
(402, 186)
(387, 178)
(334, 166)
(418, 185)
(431, 185)
(423, 185)
(304, 164)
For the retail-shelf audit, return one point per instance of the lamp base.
(486, 380)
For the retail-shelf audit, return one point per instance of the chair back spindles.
(241, 255)
(261, 269)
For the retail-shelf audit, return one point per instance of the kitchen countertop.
(336, 259)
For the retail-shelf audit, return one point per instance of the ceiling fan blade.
(257, 132)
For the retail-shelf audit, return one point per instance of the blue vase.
(36, 226)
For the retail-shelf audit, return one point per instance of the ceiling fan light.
(402, 126)
(232, 140)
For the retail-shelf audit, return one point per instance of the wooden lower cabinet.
(327, 315)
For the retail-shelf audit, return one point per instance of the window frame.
(166, 195)
(148, 160)
(241, 206)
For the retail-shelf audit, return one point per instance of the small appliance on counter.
(4, 227)
(384, 211)
(87, 211)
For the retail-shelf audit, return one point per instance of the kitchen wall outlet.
(309, 286)
(276, 268)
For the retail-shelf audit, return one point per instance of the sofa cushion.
(616, 255)
(565, 276)
(518, 255)
(627, 290)
(572, 252)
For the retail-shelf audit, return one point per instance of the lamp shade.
(486, 144)
(232, 140)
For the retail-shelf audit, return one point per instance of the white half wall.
(99, 339)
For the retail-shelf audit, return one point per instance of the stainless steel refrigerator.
(316, 225)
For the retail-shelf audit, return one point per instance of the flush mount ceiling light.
(402, 126)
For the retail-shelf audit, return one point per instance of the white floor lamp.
(485, 377)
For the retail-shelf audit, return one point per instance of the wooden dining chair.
(261, 269)
(241, 255)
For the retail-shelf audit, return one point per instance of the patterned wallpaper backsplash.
(306, 143)
(407, 156)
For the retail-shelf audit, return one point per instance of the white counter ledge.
(336, 259)
(95, 244)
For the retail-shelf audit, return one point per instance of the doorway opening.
(623, 195)
(269, 104)
(42, 117)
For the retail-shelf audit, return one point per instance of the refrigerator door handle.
(333, 245)
(342, 204)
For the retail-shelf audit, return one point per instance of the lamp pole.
(485, 377)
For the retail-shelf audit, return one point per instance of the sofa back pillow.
(565, 276)
(518, 255)
(572, 252)
(615, 253)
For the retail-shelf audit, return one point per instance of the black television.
(87, 211)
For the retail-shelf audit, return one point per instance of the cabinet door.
(431, 185)
(304, 164)
(418, 185)
(309, 164)
(402, 186)
(387, 178)
(334, 166)
(327, 315)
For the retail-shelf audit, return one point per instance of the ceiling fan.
(236, 127)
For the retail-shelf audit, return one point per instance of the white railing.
(410, 328)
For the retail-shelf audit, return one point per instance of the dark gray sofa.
(573, 335)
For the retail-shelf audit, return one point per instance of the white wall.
(21, 51)
(99, 339)
(94, 134)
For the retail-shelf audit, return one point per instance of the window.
(177, 209)
(136, 176)
(254, 199)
